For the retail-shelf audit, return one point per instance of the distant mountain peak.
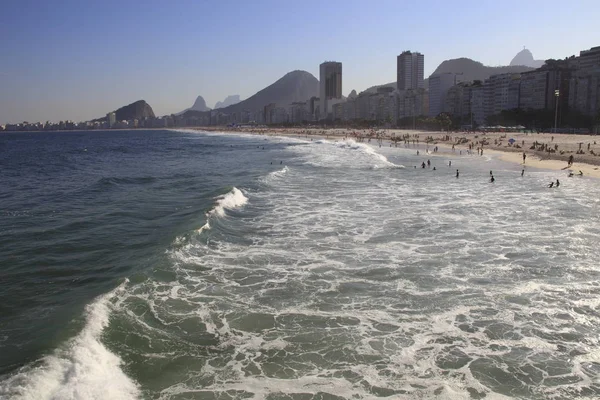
(200, 104)
(525, 57)
(229, 100)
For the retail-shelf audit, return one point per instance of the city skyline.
(79, 61)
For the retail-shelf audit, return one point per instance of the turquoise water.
(180, 265)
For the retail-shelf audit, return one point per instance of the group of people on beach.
(552, 184)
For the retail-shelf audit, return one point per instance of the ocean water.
(184, 265)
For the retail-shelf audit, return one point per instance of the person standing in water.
(522, 172)
(557, 183)
(491, 174)
(449, 164)
(457, 173)
(492, 180)
(524, 157)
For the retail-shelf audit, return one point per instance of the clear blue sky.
(79, 59)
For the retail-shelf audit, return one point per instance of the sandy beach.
(543, 150)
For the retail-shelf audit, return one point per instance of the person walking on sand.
(570, 162)
(524, 157)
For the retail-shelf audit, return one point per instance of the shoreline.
(494, 143)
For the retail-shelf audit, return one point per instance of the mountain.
(199, 105)
(293, 86)
(137, 110)
(524, 57)
(471, 70)
(229, 101)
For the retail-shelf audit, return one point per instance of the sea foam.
(365, 149)
(229, 201)
(81, 369)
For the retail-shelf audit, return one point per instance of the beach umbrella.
(511, 140)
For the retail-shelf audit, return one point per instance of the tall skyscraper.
(410, 70)
(330, 81)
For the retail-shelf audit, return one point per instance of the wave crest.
(82, 369)
(229, 201)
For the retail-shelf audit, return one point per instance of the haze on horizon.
(79, 60)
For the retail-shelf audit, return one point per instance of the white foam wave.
(279, 173)
(82, 369)
(204, 227)
(365, 149)
(229, 201)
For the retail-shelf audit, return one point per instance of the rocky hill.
(199, 105)
(137, 110)
(293, 86)
(524, 57)
(229, 101)
(473, 70)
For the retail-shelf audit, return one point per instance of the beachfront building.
(496, 93)
(412, 103)
(533, 90)
(438, 88)
(410, 68)
(299, 112)
(313, 108)
(584, 94)
(362, 105)
(330, 81)
(268, 113)
(588, 59)
(584, 84)
(465, 99)
(111, 118)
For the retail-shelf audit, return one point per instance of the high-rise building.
(410, 71)
(438, 88)
(111, 118)
(330, 81)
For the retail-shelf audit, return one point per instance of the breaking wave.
(82, 369)
(364, 149)
(229, 201)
